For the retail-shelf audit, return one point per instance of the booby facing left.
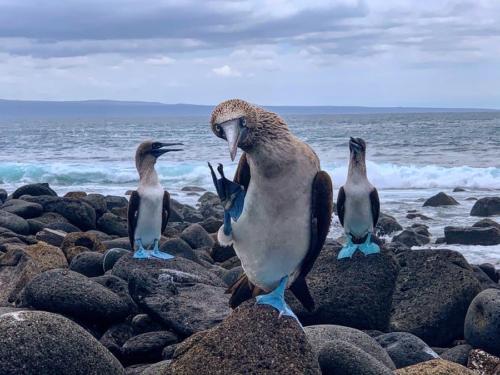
(149, 205)
(358, 205)
(278, 209)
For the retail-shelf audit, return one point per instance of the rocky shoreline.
(73, 301)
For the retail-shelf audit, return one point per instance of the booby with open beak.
(277, 209)
(358, 204)
(149, 205)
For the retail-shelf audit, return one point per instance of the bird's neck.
(147, 174)
(357, 167)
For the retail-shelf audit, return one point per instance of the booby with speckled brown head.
(277, 209)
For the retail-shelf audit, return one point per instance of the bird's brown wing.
(132, 215)
(341, 205)
(321, 217)
(165, 213)
(375, 204)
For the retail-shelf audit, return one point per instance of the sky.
(273, 52)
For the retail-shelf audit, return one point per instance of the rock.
(26, 210)
(139, 370)
(121, 243)
(354, 292)
(211, 224)
(16, 269)
(191, 214)
(13, 222)
(459, 190)
(209, 205)
(184, 308)
(143, 323)
(320, 335)
(485, 223)
(75, 194)
(59, 346)
(193, 188)
(40, 199)
(489, 269)
(410, 237)
(6, 234)
(114, 338)
(339, 357)
(120, 211)
(113, 201)
(196, 236)
(483, 363)
(232, 275)
(440, 240)
(231, 263)
(458, 354)
(147, 347)
(472, 235)
(159, 368)
(112, 224)
(386, 225)
(484, 279)
(77, 212)
(34, 190)
(417, 216)
(488, 206)
(68, 292)
(433, 290)
(64, 227)
(3, 195)
(120, 288)
(435, 367)
(46, 256)
(81, 239)
(88, 263)
(222, 253)
(482, 323)
(98, 202)
(252, 340)
(471, 199)
(440, 199)
(179, 247)
(111, 256)
(406, 349)
(45, 220)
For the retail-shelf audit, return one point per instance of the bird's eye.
(243, 121)
(218, 128)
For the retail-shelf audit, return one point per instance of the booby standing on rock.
(358, 205)
(149, 205)
(278, 209)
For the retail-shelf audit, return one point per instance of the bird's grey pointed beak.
(232, 133)
(162, 150)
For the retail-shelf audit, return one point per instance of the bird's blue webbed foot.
(348, 250)
(232, 196)
(276, 299)
(368, 247)
(156, 253)
(141, 253)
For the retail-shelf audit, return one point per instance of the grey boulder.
(26, 210)
(487, 206)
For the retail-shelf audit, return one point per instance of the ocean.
(410, 158)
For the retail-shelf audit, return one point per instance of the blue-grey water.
(411, 157)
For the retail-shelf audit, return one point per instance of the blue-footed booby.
(358, 205)
(149, 205)
(278, 208)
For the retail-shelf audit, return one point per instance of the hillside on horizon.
(116, 108)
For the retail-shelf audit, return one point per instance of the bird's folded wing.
(341, 205)
(165, 213)
(375, 205)
(132, 214)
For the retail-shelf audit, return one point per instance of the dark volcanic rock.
(46, 219)
(111, 256)
(211, 224)
(252, 340)
(339, 357)
(196, 236)
(3, 195)
(41, 343)
(70, 293)
(482, 323)
(485, 281)
(147, 347)
(458, 354)
(143, 323)
(435, 367)
(484, 223)
(98, 202)
(406, 349)
(222, 253)
(112, 224)
(34, 190)
(88, 263)
(113, 201)
(414, 215)
(13, 222)
(120, 288)
(488, 206)
(489, 269)
(81, 239)
(77, 212)
(114, 338)
(434, 289)
(353, 292)
(46, 256)
(472, 235)
(440, 199)
(386, 225)
(411, 237)
(210, 206)
(191, 214)
(26, 210)
(179, 247)
(121, 243)
(16, 269)
(483, 363)
(320, 335)
(52, 237)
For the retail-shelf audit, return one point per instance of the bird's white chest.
(358, 219)
(272, 235)
(150, 214)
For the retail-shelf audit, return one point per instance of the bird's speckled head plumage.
(257, 125)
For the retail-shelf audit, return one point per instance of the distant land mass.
(112, 108)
